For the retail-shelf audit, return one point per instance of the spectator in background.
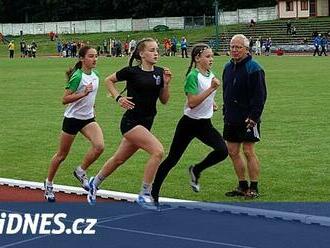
(33, 49)
(118, 48)
(294, 30)
(29, 50)
(105, 47)
(288, 27)
(317, 45)
(252, 23)
(98, 50)
(132, 45)
(279, 52)
(11, 49)
(74, 49)
(52, 36)
(126, 47)
(258, 47)
(23, 48)
(305, 41)
(251, 45)
(268, 45)
(173, 46)
(324, 45)
(167, 47)
(184, 47)
(59, 48)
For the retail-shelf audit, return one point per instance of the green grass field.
(294, 151)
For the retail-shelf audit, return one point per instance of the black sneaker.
(193, 179)
(252, 194)
(237, 192)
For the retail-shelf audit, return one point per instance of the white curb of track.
(290, 216)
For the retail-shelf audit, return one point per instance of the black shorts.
(238, 133)
(129, 122)
(73, 126)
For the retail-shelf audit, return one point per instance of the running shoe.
(146, 201)
(82, 178)
(193, 179)
(49, 193)
(91, 196)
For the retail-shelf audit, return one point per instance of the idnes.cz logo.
(44, 223)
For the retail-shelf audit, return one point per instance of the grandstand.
(300, 42)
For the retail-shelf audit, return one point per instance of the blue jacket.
(244, 91)
(317, 41)
(324, 41)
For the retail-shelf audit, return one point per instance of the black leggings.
(186, 130)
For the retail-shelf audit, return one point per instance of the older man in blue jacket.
(244, 97)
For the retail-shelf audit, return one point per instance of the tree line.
(23, 11)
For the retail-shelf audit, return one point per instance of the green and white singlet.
(195, 84)
(83, 108)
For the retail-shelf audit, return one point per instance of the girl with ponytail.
(79, 116)
(146, 83)
(200, 88)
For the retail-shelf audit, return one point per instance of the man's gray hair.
(246, 41)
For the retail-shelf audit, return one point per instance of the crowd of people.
(27, 50)
(260, 46)
(171, 46)
(320, 43)
(244, 96)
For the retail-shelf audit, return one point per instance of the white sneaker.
(193, 180)
(147, 202)
(91, 196)
(82, 178)
(49, 193)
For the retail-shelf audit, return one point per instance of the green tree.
(15, 11)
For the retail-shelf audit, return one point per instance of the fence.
(91, 26)
(245, 15)
(115, 25)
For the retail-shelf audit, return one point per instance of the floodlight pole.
(216, 16)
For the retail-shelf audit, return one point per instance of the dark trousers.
(184, 52)
(323, 51)
(11, 54)
(186, 130)
(316, 51)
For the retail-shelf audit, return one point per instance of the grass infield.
(294, 151)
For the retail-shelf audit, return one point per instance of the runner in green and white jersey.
(79, 116)
(200, 88)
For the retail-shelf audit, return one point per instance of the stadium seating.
(277, 30)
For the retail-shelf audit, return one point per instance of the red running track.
(17, 194)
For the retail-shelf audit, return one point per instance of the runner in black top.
(145, 84)
(144, 88)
